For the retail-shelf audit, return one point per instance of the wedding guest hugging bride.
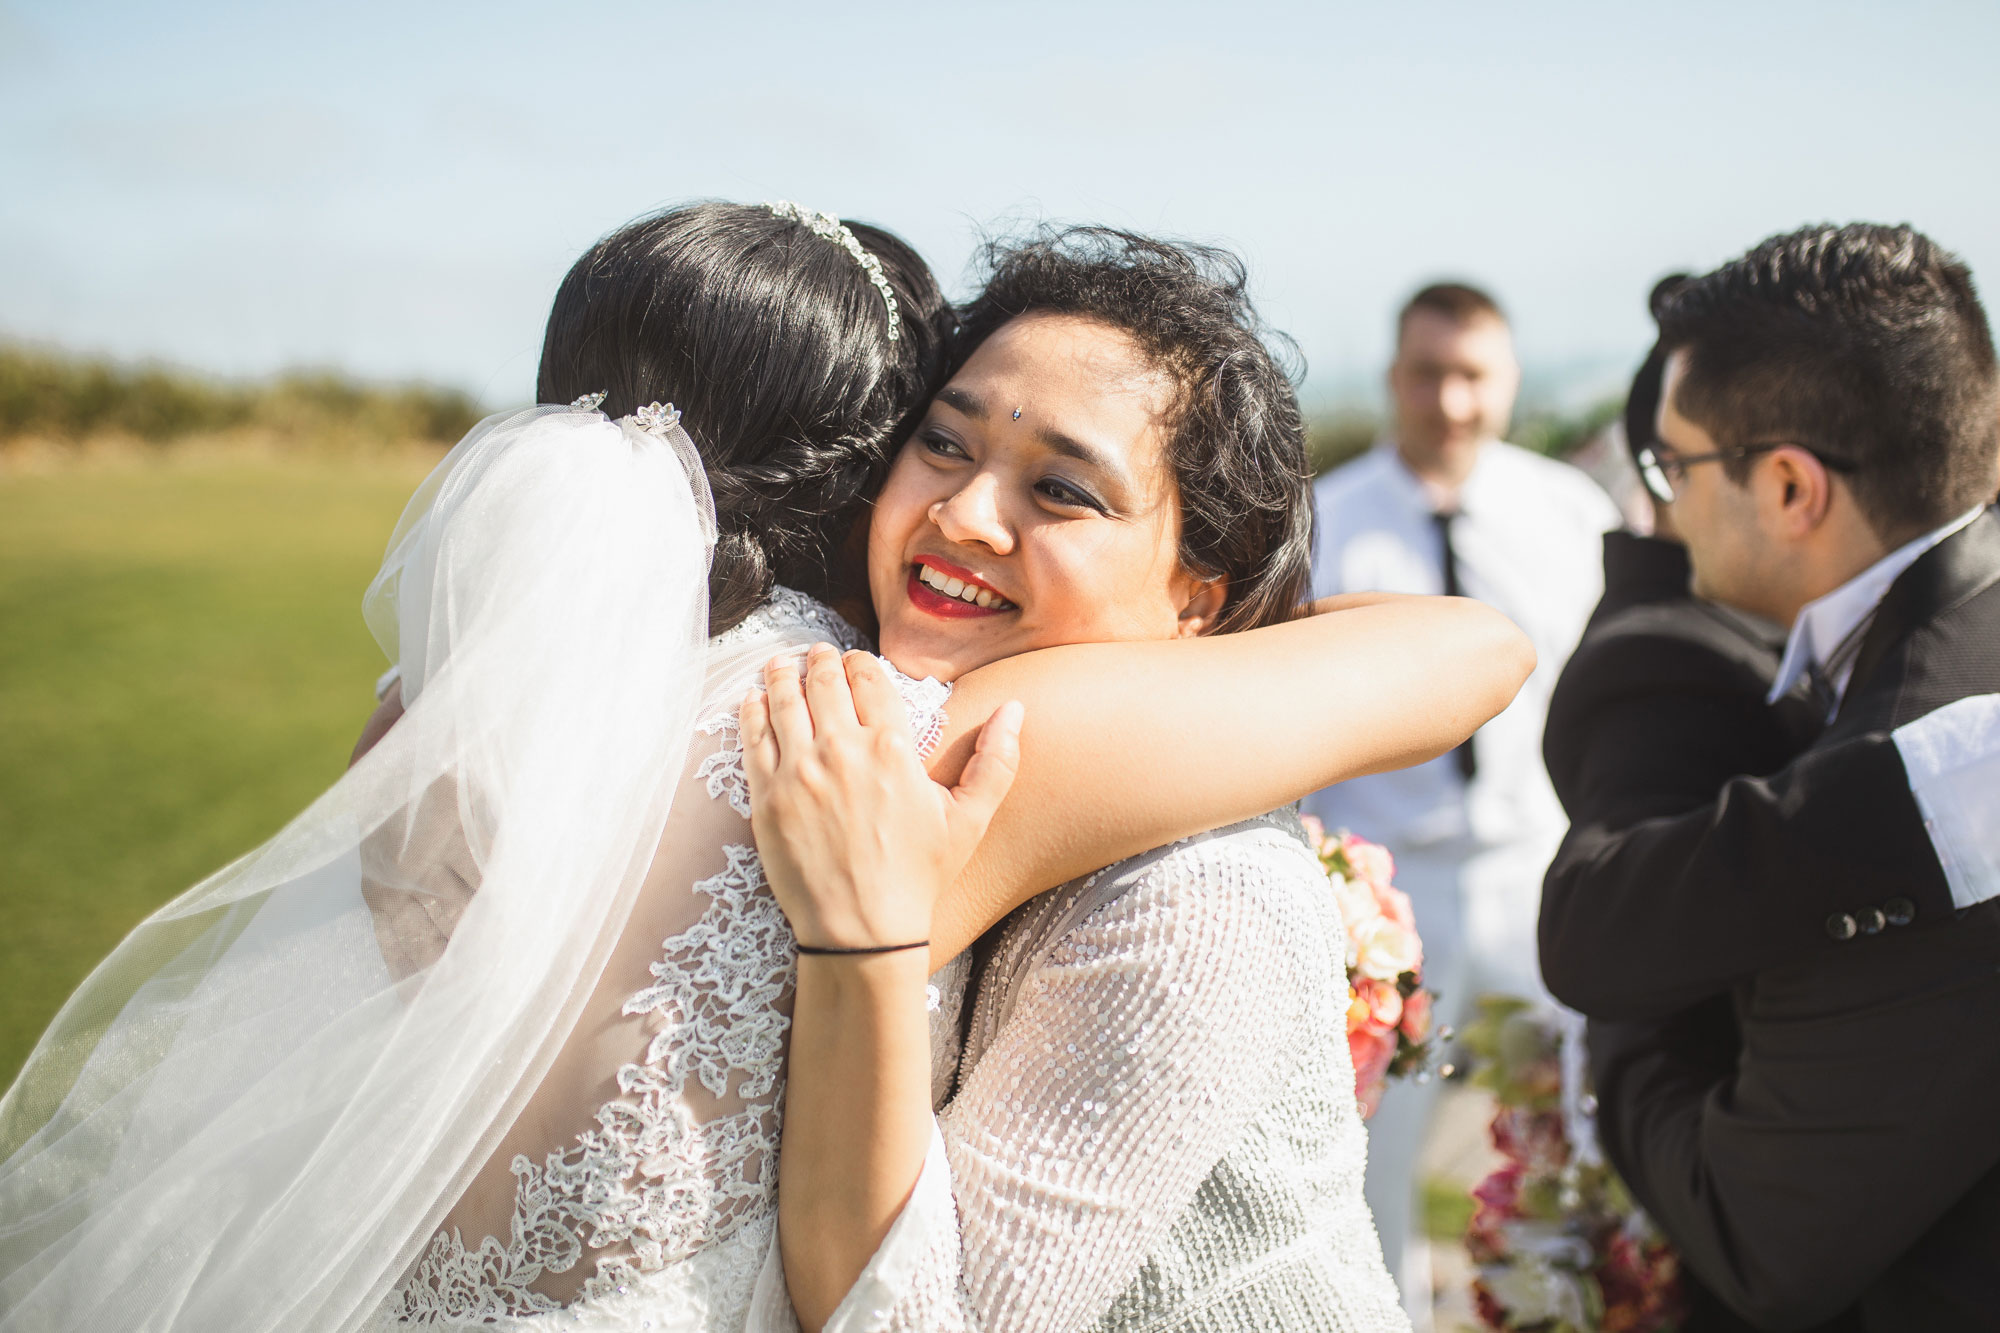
(494, 1033)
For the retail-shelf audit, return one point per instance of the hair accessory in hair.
(590, 402)
(831, 227)
(657, 418)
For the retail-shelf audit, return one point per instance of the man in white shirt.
(1828, 433)
(1446, 506)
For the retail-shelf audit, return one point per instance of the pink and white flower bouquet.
(1560, 1246)
(1389, 1028)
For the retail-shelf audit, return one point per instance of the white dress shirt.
(1528, 541)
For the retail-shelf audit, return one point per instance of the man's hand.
(856, 839)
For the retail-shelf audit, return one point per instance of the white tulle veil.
(254, 1112)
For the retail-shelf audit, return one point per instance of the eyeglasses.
(1660, 471)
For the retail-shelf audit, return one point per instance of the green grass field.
(182, 667)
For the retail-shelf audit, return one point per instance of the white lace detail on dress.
(651, 1176)
(788, 609)
(662, 1184)
(723, 770)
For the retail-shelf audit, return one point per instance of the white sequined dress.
(1155, 1126)
(642, 1178)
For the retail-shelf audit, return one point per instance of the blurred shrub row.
(61, 397)
(1334, 437)
(55, 396)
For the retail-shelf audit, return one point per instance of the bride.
(424, 1057)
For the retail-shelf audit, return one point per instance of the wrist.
(879, 922)
(837, 951)
(868, 981)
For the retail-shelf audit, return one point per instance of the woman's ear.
(1203, 607)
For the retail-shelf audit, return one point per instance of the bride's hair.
(1236, 439)
(774, 344)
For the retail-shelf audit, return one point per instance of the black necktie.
(1468, 763)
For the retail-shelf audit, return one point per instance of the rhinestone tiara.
(833, 229)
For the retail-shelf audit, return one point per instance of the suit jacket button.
(1871, 920)
(1841, 926)
(1899, 911)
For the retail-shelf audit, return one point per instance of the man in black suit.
(1829, 436)
(1663, 702)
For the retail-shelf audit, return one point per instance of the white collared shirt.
(1826, 623)
(1528, 537)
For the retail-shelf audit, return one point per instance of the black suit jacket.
(1661, 703)
(1853, 1157)
(1640, 920)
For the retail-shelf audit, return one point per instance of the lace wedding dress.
(657, 1211)
(1155, 1126)
(493, 1031)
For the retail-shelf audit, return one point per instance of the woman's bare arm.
(1130, 745)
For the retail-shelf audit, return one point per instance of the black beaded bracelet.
(866, 948)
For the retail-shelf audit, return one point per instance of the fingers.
(827, 692)
(989, 774)
(877, 703)
(760, 743)
(790, 719)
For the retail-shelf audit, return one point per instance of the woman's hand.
(856, 839)
(857, 842)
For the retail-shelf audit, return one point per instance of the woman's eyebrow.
(1071, 447)
(963, 401)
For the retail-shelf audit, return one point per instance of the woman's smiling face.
(1034, 506)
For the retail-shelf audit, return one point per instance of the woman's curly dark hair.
(1236, 438)
(774, 344)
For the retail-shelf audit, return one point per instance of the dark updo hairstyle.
(1236, 440)
(774, 344)
(1642, 401)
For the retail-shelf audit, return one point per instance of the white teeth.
(959, 588)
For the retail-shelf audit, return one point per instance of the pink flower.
(1370, 860)
(1500, 1192)
(1393, 903)
(1417, 1015)
(1535, 1139)
(1372, 1049)
(1315, 831)
(1497, 1200)
(1384, 1001)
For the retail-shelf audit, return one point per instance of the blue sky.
(395, 189)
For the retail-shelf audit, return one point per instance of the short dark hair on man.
(1863, 343)
(1236, 439)
(1460, 302)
